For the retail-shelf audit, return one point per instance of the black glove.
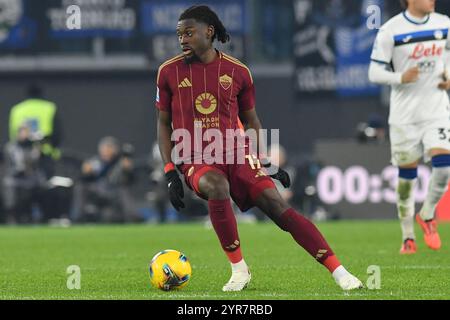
(280, 175)
(176, 192)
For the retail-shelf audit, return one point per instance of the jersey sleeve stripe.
(379, 61)
(170, 61)
(237, 62)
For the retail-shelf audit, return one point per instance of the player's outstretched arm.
(174, 183)
(250, 120)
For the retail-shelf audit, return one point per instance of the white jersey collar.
(408, 16)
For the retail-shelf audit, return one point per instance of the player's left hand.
(280, 175)
(445, 85)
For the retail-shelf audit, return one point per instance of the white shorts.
(411, 142)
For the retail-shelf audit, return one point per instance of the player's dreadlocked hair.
(206, 15)
(404, 4)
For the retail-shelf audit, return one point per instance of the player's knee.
(406, 183)
(273, 205)
(219, 191)
(404, 190)
(276, 203)
(214, 186)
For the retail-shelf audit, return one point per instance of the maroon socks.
(309, 237)
(224, 223)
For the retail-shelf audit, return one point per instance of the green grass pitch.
(114, 262)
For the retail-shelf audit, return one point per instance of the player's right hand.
(279, 174)
(176, 191)
(411, 75)
(283, 177)
(445, 84)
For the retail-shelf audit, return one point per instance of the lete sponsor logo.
(422, 51)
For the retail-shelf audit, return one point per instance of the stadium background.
(309, 60)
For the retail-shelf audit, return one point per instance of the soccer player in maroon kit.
(204, 88)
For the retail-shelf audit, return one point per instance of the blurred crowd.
(43, 183)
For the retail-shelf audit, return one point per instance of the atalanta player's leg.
(440, 175)
(406, 206)
(306, 235)
(214, 186)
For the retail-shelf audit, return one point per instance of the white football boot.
(349, 282)
(238, 281)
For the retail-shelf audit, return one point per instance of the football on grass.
(170, 270)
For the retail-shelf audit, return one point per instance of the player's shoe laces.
(430, 234)
(238, 281)
(349, 282)
(408, 247)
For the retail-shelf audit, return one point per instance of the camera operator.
(38, 122)
(106, 180)
(25, 182)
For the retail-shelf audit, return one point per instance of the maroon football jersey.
(206, 96)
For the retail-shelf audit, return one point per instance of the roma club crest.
(225, 81)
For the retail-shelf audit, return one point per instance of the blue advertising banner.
(16, 29)
(159, 20)
(145, 26)
(106, 18)
(332, 47)
(353, 50)
(159, 17)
